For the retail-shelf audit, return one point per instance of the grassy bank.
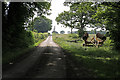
(102, 62)
(39, 37)
(13, 54)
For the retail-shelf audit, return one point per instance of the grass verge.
(11, 56)
(89, 62)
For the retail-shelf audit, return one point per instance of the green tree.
(42, 24)
(66, 18)
(108, 14)
(79, 16)
(14, 16)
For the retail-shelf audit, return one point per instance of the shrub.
(39, 36)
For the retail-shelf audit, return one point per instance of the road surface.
(47, 61)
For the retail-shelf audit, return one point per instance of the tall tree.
(108, 14)
(14, 15)
(66, 18)
(42, 24)
(79, 15)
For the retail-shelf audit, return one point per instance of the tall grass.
(101, 62)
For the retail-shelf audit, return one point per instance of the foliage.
(32, 39)
(97, 15)
(79, 16)
(82, 13)
(108, 14)
(81, 33)
(90, 62)
(107, 34)
(41, 24)
(65, 18)
(15, 39)
(39, 37)
(14, 17)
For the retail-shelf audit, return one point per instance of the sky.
(58, 7)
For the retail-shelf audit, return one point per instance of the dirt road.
(47, 61)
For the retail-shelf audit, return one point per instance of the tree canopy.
(14, 15)
(96, 14)
(42, 24)
(108, 14)
(79, 15)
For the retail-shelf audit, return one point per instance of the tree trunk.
(71, 30)
(32, 24)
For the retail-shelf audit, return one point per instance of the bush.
(25, 41)
(39, 36)
(107, 34)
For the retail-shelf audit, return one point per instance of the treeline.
(40, 24)
(32, 39)
(96, 14)
(15, 15)
(93, 32)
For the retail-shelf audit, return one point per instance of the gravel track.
(47, 61)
